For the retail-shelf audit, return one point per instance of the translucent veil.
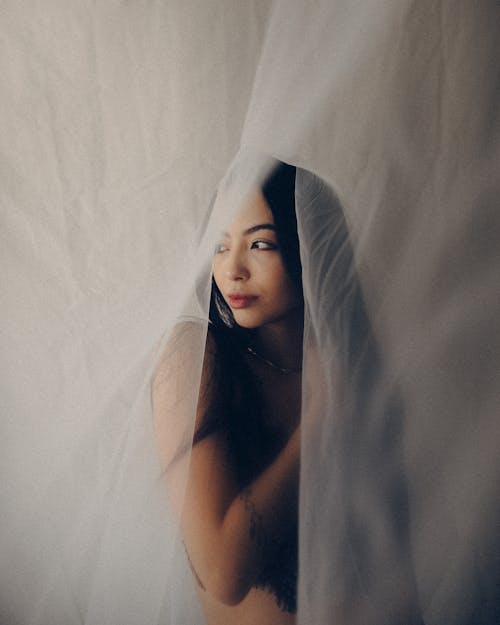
(119, 123)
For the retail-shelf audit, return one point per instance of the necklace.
(273, 365)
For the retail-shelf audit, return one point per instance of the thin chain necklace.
(273, 365)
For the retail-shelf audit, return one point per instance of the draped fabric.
(120, 123)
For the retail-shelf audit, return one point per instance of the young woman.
(239, 504)
(240, 499)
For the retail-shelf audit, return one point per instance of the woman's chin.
(246, 323)
(251, 321)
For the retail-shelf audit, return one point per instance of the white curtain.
(118, 121)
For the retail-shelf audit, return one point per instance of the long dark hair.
(237, 410)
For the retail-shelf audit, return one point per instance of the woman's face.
(249, 271)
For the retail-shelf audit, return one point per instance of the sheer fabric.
(119, 120)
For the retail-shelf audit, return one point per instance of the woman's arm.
(229, 533)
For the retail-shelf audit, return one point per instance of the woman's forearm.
(254, 523)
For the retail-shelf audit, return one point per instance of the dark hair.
(237, 409)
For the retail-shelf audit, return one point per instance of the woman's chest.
(281, 400)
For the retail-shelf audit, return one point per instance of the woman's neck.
(281, 341)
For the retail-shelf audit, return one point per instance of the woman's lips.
(237, 300)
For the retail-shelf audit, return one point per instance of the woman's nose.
(236, 268)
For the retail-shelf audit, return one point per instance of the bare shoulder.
(177, 382)
(184, 343)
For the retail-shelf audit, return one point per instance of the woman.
(239, 504)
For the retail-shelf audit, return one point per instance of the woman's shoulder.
(198, 360)
(187, 332)
(181, 386)
(183, 346)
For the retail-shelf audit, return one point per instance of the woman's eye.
(264, 245)
(220, 247)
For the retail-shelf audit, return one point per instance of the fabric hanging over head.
(132, 135)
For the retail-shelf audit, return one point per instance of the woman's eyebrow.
(253, 229)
